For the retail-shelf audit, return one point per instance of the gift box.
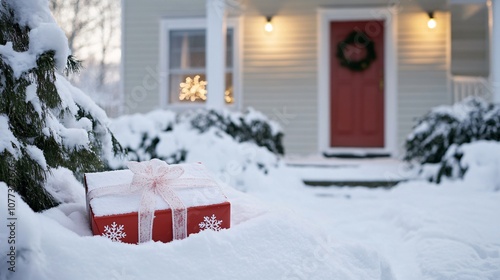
(155, 201)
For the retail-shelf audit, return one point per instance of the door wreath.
(358, 38)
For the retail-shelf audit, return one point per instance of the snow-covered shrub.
(45, 123)
(234, 145)
(476, 162)
(144, 136)
(252, 126)
(470, 120)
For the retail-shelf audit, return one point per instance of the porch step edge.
(344, 183)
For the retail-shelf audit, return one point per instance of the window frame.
(167, 25)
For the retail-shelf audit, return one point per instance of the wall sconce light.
(432, 21)
(269, 26)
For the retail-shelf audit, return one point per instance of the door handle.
(381, 84)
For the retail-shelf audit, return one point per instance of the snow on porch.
(369, 172)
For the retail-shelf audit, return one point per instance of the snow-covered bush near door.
(471, 120)
(439, 140)
(243, 149)
(477, 163)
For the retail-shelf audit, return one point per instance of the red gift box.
(115, 205)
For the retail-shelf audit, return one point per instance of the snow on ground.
(425, 231)
(264, 243)
(414, 231)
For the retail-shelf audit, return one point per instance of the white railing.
(465, 86)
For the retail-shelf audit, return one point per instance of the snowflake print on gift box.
(210, 223)
(115, 232)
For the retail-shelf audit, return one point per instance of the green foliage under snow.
(157, 134)
(437, 134)
(40, 126)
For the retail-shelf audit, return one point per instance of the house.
(340, 76)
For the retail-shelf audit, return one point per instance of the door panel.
(357, 97)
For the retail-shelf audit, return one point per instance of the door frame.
(389, 16)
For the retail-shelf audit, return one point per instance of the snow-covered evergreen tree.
(45, 122)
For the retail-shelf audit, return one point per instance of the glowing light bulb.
(269, 26)
(432, 22)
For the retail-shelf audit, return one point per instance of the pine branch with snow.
(45, 122)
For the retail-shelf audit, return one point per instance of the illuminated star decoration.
(228, 95)
(193, 89)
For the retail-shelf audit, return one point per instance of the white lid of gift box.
(129, 203)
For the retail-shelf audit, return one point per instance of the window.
(183, 52)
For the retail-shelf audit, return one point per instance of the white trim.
(238, 60)
(494, 30)
(460, 2)
(215, 49)
(197, 23)
(124, 108)
(388, 15)
(449, 81)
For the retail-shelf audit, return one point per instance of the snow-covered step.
(370, 172)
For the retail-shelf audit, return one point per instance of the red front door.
(357, 96)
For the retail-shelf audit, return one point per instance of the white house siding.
(279, 73)
(423, 67)
(469, 37)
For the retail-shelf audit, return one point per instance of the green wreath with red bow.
(357, 38)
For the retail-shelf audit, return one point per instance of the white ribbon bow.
(153, 178)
